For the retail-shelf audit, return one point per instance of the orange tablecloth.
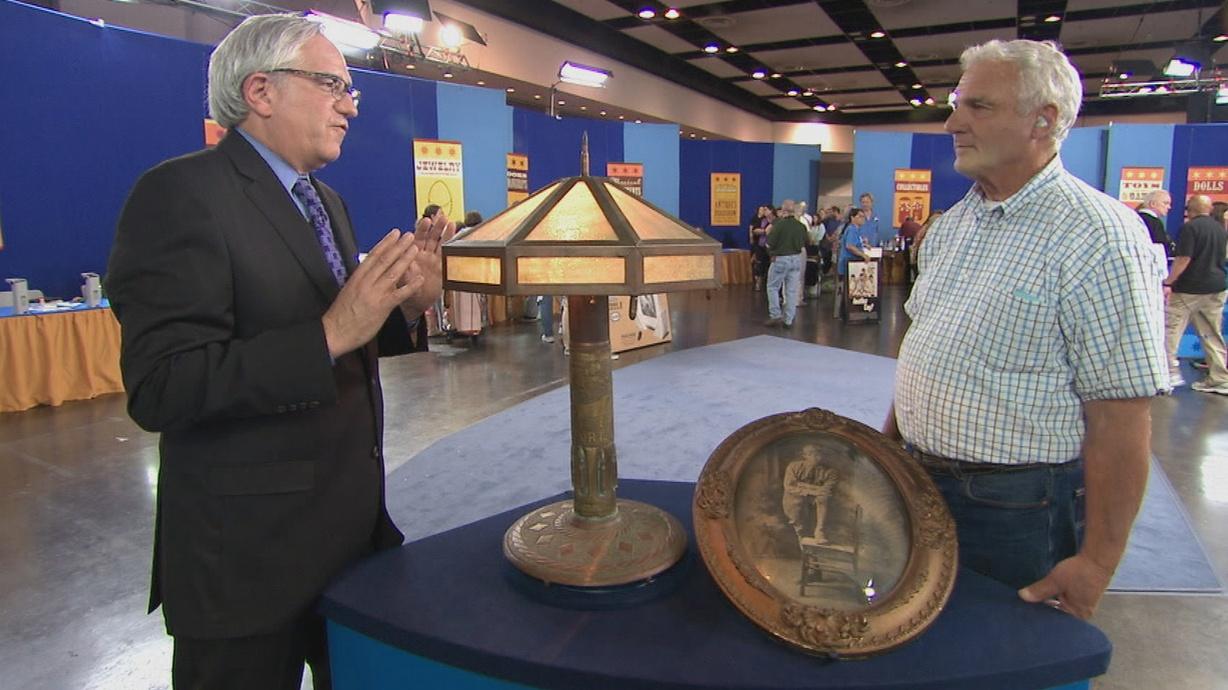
(46, 359)
(735, 267)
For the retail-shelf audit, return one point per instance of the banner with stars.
(1212, 182)
(912, 196)
(439, 177)
(726, 198)
(629, 175)
(1137, 183)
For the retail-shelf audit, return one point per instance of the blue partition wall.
(876, 155)
(1083, 154)
(1193, 146)
(78, 132)
(553, 145)
(699, 160)
(482, 121)
(795, 173)
(935, 152)
(656, 146)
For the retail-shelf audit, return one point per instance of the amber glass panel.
(677, 269)
(646, 222)
(501, 227)
(564, 270)
(576, 218)
(474, 269)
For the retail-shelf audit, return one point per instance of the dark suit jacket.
(272, 475)
(1155, 228)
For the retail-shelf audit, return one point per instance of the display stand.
(863, 284)
(449, 612)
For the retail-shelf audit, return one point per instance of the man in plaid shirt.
(1023, 384)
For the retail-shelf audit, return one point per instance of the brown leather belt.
(936, 464)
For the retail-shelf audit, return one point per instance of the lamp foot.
(555, 544)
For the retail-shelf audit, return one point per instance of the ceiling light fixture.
(481, 83)
(792, 92)
(1181, 67)
(583, 75)
(807, 93)
(758, 74)
(647, 13)
(1220, 38)
(915, 101)
(901, 63)
(1052, 19)
(776, 75)
(731, 49)
(404, 17)
(511, 89)
(916, 86)
(672, 13)
(711, 48)
(820, 108)
(877, 34)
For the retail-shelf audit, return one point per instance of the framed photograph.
(825, 533)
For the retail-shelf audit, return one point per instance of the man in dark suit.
(1155, 208)
(250, 341)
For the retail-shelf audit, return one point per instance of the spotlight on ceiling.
(672, 13)
(758, 74)
(1181, 67)
(711, 48)
(731, 49)
(647, 13)
(466, 30)
(403, 17)
(877, 34)
(583, 75)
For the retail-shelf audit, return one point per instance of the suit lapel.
(267, 195)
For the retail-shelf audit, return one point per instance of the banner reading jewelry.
(912, 195)
(1137, 183)
(439, 177)
(517, 177)
(726, 198)
(629, 175)
(1212, 182)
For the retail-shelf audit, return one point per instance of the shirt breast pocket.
(1018, 329)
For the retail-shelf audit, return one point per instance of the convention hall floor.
(76, 501)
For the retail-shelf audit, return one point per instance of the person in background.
(852, 245)
(760, 259)
(871, 229)
(466, 309)
(1153, 212)
(1024, 383)
(250, 342)
(909, 230)
(786, 241)
(1195, 291)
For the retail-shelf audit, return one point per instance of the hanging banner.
(726, 198)
(439, 177)
(213, 132)
(1137, 183)
(629, 175)
(517, 177)
(1212, 182)
(912, 195)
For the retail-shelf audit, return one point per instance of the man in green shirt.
(785, 241)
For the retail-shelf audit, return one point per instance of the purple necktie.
(306, 193)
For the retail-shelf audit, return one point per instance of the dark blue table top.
(454, 599)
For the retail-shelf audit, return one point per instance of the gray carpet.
(671, 412)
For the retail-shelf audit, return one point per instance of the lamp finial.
(584, 154)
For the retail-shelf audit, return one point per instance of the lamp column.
(594, 465)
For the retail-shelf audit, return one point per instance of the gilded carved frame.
(825, 534)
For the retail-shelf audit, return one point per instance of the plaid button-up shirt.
(1023, 310)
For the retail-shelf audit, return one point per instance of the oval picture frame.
(825, 533)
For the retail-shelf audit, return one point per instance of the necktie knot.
(305, 192)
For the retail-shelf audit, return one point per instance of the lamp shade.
(581, 235)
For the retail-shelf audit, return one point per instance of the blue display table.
(448, 612)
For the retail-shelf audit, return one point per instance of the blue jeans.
(545, 312)
(1015, 526)
(786, 271)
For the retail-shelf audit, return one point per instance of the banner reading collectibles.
(726, 198)
(912, 196)
(439, 177)
(517, 177)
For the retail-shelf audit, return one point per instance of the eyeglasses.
(332, 82)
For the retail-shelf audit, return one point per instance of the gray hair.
(259, 44)
(1157, 195)
(1046, 77)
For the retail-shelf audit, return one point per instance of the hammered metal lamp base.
(554, 544)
